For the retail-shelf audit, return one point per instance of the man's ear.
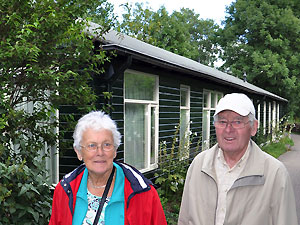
(254, 128)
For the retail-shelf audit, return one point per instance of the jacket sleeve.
(184, 207)
(158, 215)
(61, 214)
(284, 207)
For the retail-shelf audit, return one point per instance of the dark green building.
(154, 91)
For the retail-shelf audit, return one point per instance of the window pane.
(205, 97)
(204, 128)
(183, 126)
(183, 97)
(135, 135)
(213, 100)
(139, 86)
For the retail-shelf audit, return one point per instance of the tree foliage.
(46, 60)
(261, 39)
(182, 32)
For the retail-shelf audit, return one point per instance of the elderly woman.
(101, 191)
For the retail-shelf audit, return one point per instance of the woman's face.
(98, 162)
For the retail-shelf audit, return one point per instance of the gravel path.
(291, 160)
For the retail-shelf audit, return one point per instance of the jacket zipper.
(217, 195)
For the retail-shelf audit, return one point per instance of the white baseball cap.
(236, 102)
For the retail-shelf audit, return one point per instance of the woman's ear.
(78, 153)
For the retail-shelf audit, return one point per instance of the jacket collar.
(81, 206)
(73, 177)
(255, 163)
(137, 180)
(118, 187)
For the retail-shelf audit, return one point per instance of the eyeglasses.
(93, 147)
(236, 124)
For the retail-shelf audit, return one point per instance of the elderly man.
(235, 182)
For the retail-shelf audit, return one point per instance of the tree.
(261, 39)
(182, 32)
(101, 12)
(46, 60)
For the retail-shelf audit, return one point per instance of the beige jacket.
(262, 195)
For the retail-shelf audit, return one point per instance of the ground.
(291, 160)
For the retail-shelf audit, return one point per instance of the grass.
(277, 148)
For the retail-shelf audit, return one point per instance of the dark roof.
(142, 50)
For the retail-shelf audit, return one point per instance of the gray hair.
(96, 120)
(251, 118)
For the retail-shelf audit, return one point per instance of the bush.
(173, 163)
(24, 195)
(46, 61)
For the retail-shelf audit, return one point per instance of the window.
(210, 101)
(51, 152)
(184, 121)
(141, 120)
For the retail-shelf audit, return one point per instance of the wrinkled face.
(232, 140)
(99, 161)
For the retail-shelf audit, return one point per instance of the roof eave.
(172, 66)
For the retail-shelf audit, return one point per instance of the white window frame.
(258, 115)
(274, 117)
(270, 117)
(277, 116)
(264, 117)
(188, 112)
(52, 162)
(208, 109)
(274, 120)
(149, 106)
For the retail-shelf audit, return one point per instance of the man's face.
(234, 140)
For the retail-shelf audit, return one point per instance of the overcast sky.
(208, 9)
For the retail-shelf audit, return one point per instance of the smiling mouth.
(99, 161)
(229, 139)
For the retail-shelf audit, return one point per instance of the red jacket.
(142, 204)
